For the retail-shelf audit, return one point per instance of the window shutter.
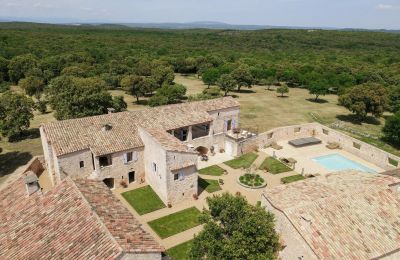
(125, 158)
(225, 126)
(233, 124)
(135, 156)
(181, 176)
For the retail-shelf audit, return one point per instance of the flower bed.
(253, 181)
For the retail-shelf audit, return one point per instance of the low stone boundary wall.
(352, 145)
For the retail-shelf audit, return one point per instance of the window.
(105, 161)
(228, 125)
(326, 132)
(154, 167)
(128, 157)
(81, 164)
(176, 176)
(393, 162)
(269, 136)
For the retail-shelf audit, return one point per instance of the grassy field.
(243, 161)
(176, 223)
(209, 185)
(274, 166)
(293, 178)
(180, 252)
(213, 170)
(263, 110)
(143, 200)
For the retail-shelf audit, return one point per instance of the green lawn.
(274, 166)
(209, 185)
(143, 200)
(213, 170)
(176, 223)
(181, 251)
(243, 161)
(293, 178)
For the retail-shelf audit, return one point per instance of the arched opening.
(109, 182)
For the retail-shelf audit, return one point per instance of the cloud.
(388, 7)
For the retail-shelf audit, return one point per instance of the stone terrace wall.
(361, 149)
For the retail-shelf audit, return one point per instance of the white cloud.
(388, 7)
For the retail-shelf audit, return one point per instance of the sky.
(368, 14)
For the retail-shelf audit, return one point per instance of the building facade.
(156, 145)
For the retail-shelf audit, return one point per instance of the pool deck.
(304, 157)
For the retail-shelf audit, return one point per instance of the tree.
(163, 75)
(234, 229)
(15, 113)
(132, 84)
(210, 76)
(284, 89)
(19, 66)
(3, 69)
(226, 83)
(74, 97)
(243, 76)
(365, 98)
(392, 129)
(318, 88)
(119, 104)
(32, 85)
(149, 85)
(168, 94)
(394, 99)
(41, 106)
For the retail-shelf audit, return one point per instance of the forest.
(70, 67)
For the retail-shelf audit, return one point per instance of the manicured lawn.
(143, 200)
(180, 252)
(274, 166)
(209, 185)
(213, 170)
(293, 178)
(176, 223)
(243, 161)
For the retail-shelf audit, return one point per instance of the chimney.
(32, 183)
(107, 127)
(110, 110)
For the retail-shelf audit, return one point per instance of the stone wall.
(365, 151)
(183, 188)
(222, 115)
(140, 256)
(154, 153)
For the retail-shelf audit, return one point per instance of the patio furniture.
(204, 157)
(291, 162)
(276, 146)
(333, 145)
(302, 142)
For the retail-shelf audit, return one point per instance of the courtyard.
(174, 227)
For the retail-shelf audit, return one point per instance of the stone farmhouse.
(157, 145)
(76, 219)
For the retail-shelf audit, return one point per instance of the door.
(228, 148)
(131, 177)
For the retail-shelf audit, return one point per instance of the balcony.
(240, 134)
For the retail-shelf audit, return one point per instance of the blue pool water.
(337, 162)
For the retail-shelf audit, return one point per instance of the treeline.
(86, 61)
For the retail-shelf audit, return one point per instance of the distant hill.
(190, 25)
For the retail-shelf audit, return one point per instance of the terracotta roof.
(73, 135)
(168, 141)
(345, 215)
(68, 223)
(394, 173)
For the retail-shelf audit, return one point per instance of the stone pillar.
(189, 136)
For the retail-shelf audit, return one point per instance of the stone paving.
(230, 185)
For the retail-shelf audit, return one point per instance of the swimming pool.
(337, 162)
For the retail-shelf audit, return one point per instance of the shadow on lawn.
(318, 101)
(31, 133)
(10, 161)
(355, 120)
